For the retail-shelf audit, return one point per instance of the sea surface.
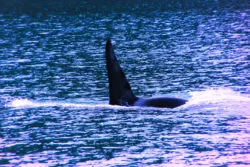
(54, 107)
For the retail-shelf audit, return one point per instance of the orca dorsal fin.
(120, 92)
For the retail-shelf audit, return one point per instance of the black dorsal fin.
(120, 92)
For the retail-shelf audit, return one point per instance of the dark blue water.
(54, 107)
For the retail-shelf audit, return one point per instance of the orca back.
(162, 102)
(120, 92)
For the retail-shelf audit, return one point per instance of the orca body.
(120, 92)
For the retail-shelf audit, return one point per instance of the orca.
(120, 92)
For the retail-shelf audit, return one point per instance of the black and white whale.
(120, 92)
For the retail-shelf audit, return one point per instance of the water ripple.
(54, 92)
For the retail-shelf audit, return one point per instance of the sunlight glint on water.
(54, 90)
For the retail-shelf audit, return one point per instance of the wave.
(219, 97)
(27, 103)
(209, 96)
(221, 100)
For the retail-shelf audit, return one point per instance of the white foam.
(21, 103)
(26, 103)
(220, 95)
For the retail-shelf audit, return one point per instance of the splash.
(22, 103)
(26, 103)
(222, 96)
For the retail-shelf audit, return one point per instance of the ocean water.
(54, 107)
